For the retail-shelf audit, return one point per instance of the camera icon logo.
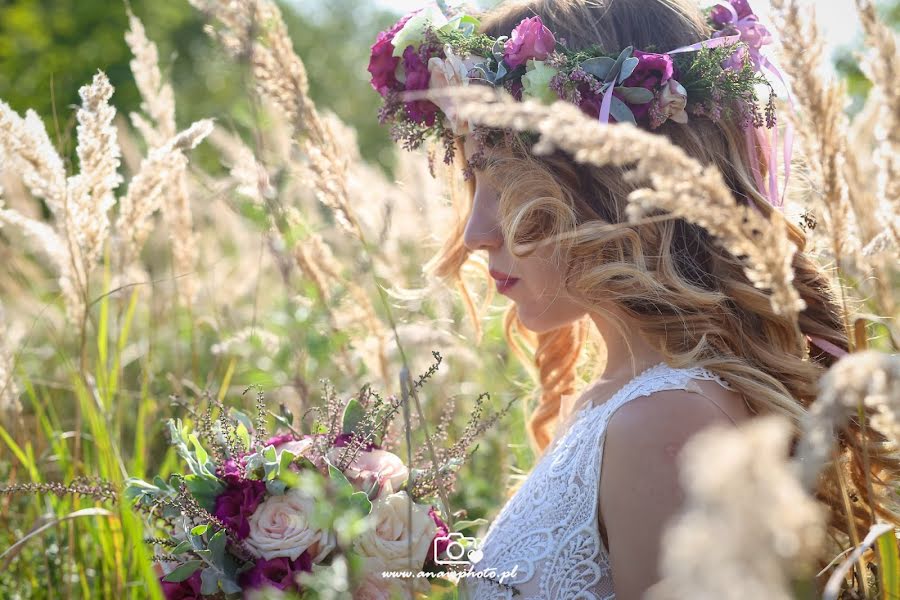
(460, 549)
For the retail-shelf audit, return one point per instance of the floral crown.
(711, 79)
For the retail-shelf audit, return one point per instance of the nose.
(483, 228)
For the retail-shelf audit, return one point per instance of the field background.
(278, 304)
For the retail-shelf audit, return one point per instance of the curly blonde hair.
(690, 296)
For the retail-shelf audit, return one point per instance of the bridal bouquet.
(254, 510)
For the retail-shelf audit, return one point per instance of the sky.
(838, 20)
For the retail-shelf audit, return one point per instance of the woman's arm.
(639, 487)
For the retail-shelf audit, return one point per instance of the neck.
(627, 352)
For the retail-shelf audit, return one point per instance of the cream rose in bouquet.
(256, 511)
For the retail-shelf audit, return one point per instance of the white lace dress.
(548, 532)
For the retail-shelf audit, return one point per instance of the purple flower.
(277, 573)
(417, 78)
(231, 471)
(530, 39)
(651, 72)
(383, 63)
(720, 16)
(183, 590)
(235, 505)
(343, 439)
(742, 7)
(439, 545)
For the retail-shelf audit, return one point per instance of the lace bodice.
(548, 534)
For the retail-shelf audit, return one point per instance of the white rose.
(368, 467)
(280, 527)
(413, 31)
(390, 534)
(451, 71)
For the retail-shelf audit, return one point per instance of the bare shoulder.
(639, 485)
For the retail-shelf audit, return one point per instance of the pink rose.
(383, 63)
(378, 467)
(530, 39)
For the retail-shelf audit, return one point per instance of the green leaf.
(182, 547)
(243, 435)
(204, 489)
(890, 564)
(341, 484)
(269, 453)
(287, 458)
(360, 501)
(460, 525)
(183, 571)
(199, 529)
(353, 414)
(635, 95)
(598, 67)
(217, 548)
(620, 111)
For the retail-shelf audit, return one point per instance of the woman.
(689, 341)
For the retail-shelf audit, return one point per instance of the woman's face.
(536, 282)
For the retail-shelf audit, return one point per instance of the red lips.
(503, 277)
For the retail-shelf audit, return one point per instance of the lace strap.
(657, 378)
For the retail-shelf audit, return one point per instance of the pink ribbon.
(826, 346)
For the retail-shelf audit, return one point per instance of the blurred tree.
(848, 66)
(49, 48)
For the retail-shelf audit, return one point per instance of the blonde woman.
(689, 341)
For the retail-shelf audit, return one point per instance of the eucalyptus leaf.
(341, 483)
(620, 111)
(353, 415)
(598, 67)
(635, 95)
(269, 453)
(183, 571)
(284, 463)
(242, 418)
(229, 586)
(209, 581)
(217, 548)
(614, 71)
(204, 489)
(199, 529)
(628, 68)
(276, 487)
(182, 547)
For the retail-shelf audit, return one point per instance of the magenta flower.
(277, 573)
(652, 72)
(189, 589)
(343, 439)
(720, 16)
(383, 63)
(235, 505)
(530, 39)
(442, 532)
(417, 78)
(742, 7)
